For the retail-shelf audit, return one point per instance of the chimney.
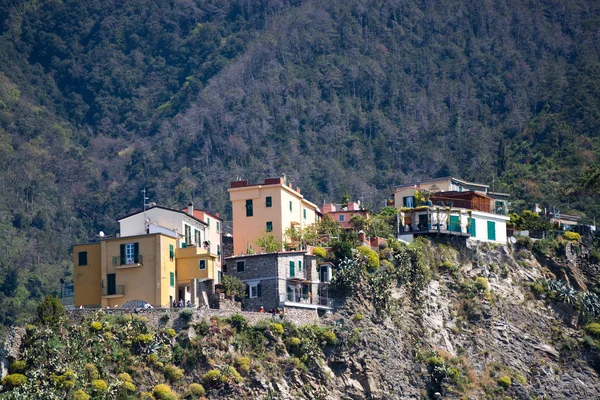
(218, 215)
(361, 236)
(297, 189)
(190, 209)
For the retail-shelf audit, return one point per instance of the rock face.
(507, 330)
(10, 348)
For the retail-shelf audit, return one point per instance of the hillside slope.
(448, 334)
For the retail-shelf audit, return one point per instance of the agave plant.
(567, 294)
(557, 285)
(590, 304)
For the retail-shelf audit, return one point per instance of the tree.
(50, 311)
(233, 286)
(268, 242)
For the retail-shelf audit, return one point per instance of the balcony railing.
(304, 300)
(118, 290)
(136, 261)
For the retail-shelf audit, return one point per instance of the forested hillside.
(99, 99)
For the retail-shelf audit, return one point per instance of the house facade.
(271, 206)
(127, 269)
(466, 212)
(343, 213)
(161, 255)
(284, 279)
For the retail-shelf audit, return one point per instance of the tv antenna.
(145, 198)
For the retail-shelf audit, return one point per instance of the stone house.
(284, 279)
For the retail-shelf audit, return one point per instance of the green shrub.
(91, 371)
(481, 284)
(276, 328)
(370, 256)
(238, 322)
(17, 367)
(144, 338)
(96, 326)
(146, 396)
(125, 377)
(164, 318)
(80, 395)
(99, 386)
(14, 380)
(196, 390)
(212, 377)
(450, 266)
(593, 329)
(537, 288)
(170, 332)
(163, 392)
(242, 364)
(357, 317)
(504, 381)
(320, 252)
(129, 386)
(230, 375)
(66, 380)
(233, 286)
(294, 342)
(186, 315)
(173, 373)
(435, 361)
(525, 242)
(50, 311)
(571, 236)
(595, 256)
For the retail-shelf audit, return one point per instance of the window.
(130, 253)
(304, 213)
(300, 266)
(218, 226)
(208, 221)
(202, 264)
(172, 279)
(408, 201)
(188, 234)
(290, 205)
(324, 273)
(292, 269)
(254, 290)
(82, 258)
(269, 226)
(249, 211)
(218, 249)
(240, 266)
(268, 202)
(219, 277)
(198, 237)
(171, 252)
(341, 218)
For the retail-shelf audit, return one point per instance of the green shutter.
(269, 201)
(208, 221)
(122, 254)
(491, 227)
(218, 249)
(292, 270)
(473, 228)
(269, 226)
(304, 212)
(136, 252)
(290, 206)
(258, 290)
(171, 252)
(299, 265)
(218, 226)
(454, 224)
(172, 278)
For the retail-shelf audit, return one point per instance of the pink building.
(342, 213)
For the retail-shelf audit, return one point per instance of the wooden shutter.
(136, 252)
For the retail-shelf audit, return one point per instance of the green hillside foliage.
(100, 99)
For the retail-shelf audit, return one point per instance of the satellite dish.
(101, 234)
(513, 239)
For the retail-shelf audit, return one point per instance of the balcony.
(136, 261)
(193, 251)
(116, 291)
(303, 301)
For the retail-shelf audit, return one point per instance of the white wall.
(171, 220)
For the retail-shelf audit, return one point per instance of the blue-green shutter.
(299, 265)
(172, 278)
(473, 228)
(491, 227)
(292, 269)
(454, 224)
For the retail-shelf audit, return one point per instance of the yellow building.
(154, 268)
(272, 206)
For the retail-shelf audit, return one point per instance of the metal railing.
(136, 260)
(118, 290)
(306, 300)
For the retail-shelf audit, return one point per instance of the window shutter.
(136, 252)
(258, 290)
(247, 291)
(122, 254)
